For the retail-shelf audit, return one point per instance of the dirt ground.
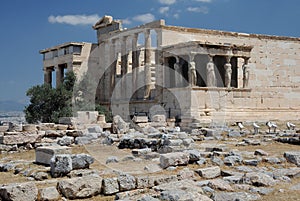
(101, 153)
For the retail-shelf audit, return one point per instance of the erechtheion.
(192, 75)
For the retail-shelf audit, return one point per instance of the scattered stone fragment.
(252, 162)
(174, 159)
(95, 129)
(81, 161)
(210, 172)
(119, 125)
(186, 173)
(293, 157)
(39, 176)
(260, 152)
(81, 187)
(44, 154)
(194, 155)
(65, 141)
(48, 194)
(219, 184)
(230, 196)
(259, 179)
(261, 190)
(112, 159)
(110, 186)
(126, 182)
(176, 194)
(60, 165)
(232, 160)
(19, 192)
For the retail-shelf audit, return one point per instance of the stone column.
(124, 67)
(192, 71)
(147, 58)
(59, 75)
(228, 72)
(210, 72)
(246, 72)
(48, 76)
(178, 73)
(135, 63)
(112, 66)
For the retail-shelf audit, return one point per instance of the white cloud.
(204, 1)
(126, 21)
(74, 19)
(176, 16)
(163, 10)
(167, 2)
(145, 18)
(201, 9)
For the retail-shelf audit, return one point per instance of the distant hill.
(11, 106)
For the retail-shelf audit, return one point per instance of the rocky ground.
(149, 161)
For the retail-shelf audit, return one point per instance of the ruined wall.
(274, 77)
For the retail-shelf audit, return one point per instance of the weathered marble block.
(12, 138)
(43, 155)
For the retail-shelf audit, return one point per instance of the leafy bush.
(48, 104)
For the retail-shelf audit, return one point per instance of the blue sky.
(28, 26)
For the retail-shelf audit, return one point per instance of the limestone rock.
(260, 152)
(86, 139)
(232, 160)
(12, 138)
(186, 185)
(176, 194)
(48, 194)
(81, 161)
(219, 184)
(194, 155)
(174, 159)
(81, 187)
(259, 179)
(110, 186)
(60, 165)
(95, 129)
(43, 155)
(210, 172)
(65, 141)
(126, 182)
(119, 125)
(293, 157)
(19, 192)
(230, 196)
(112, 159)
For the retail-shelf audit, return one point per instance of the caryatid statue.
(192, 74)
(210, 73)
(246, 73)
(228, 72)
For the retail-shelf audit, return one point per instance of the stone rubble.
(189, 165)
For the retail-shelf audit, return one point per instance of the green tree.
(48, 104)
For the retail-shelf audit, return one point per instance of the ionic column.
(147, 59)
(192, 71)
(48, 76)
(135, 63)
(178, 73)
(246, 72)
(210, 72)
(112, 66)
(124, 66)
(59, 75)
(228, 72)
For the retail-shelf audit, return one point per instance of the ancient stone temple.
(192, 75)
